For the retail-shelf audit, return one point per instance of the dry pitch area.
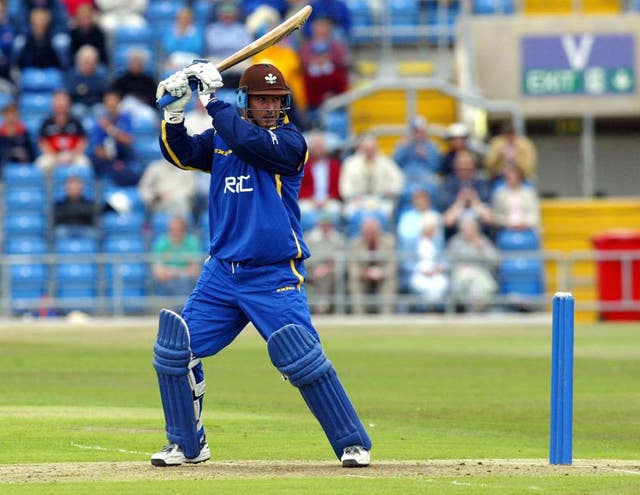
(139, 471)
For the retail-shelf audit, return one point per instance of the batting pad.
(299, 357)
(179, 391)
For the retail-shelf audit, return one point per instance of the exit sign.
(585, 64)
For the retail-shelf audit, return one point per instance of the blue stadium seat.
(76, 275)
(35, 103)
(159, 223)
(41, 80)
(203, 12)
(22, 275)
(25, 244)
(126, 285)
(130, 223)
(521, 276)
(123, 244)
(338, 123)
(147, 150)
(5, 99)
(404, 16)
(76, 245)
(361, 21)
(24, 199)
(133, 35)
(517, 240)
(33, 123)
(23, 175)
(163, 11)
(30, 224)
(490, 7)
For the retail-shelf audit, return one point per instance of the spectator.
(176, 260)
(319, 192)
(85, 31)
(184, 41)
(465, 193)
(86, 83)
(159, 193)
(409, 230)
(515, 205)
(115, 13)
(56, 10)
(370, 180)
(250, 6)
(473, 259)
(429, 278)
(40, 47)
(74, 215)
(324, 241)
(325, 64)
(15, 142)
(336, 10)
(510, 147)
(372, 267)
(72, 6)
(285, 57)
(418, 155)
(225, 36)
(62, 138)
(135, 85)
(457, 137)
(7, 36)
(112, 144)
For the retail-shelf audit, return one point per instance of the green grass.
(83, 394)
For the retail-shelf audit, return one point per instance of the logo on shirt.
(237, 185)
(270, 78)
(285, 288)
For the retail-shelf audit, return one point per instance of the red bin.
(614, 274)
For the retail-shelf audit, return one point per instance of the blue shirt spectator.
(7, 35)
(185, 36)
(86, 82)
(418, 155)
(112, 144)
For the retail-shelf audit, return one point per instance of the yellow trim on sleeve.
(296, 273)
(173, 156)
(278, 184)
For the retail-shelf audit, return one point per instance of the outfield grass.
(426, 393)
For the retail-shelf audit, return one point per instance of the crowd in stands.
(77, 86)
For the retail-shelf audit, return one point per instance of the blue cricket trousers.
(230, 295)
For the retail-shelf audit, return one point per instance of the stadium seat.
(25, 244)
(517, 240)
(163, 11)
(23, 175)
(159, 224)
(133, 35)
(130, 223)
(76, 275)
(126, 285)
(30, 224)
(338, 123)
(147, 150)
(76, 246)
(203, 12)
(41, 80)
(28, 274)
(521, 277)
(404, 17)
(114, 244)
(490, 7)
(361, 20)
(35, 103)
(24, 199)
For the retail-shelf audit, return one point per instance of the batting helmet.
(263, 79)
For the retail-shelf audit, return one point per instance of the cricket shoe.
(355, 456)
(171, 455)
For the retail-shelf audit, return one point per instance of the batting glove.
(209, 79)
(177, 85)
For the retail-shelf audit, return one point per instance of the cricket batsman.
(255, 272)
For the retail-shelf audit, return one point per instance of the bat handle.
(167, 98)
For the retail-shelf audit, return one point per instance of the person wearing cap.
(255, 271)
(457, 136)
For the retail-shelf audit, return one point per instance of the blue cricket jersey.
(256, 174)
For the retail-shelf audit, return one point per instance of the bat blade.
(278, 33)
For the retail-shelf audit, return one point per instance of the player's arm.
(282, 150)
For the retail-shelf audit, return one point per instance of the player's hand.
(209, 79)
(177, 85)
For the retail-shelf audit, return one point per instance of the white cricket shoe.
(171, 455)
(355, 456)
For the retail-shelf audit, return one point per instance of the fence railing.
(114, 293)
